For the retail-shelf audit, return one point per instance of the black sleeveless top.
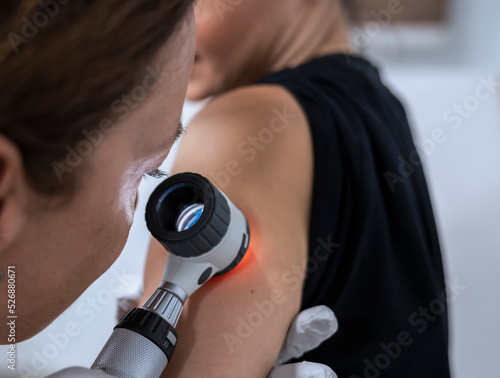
(374, 255)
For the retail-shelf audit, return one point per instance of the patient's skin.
(237, 45)
(272, 187)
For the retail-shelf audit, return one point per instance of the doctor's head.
(91, 94)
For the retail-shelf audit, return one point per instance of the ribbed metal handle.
(130, 355)
(165, 304)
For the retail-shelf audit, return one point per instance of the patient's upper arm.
(254, 145)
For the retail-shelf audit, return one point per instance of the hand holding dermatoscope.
(206, 235)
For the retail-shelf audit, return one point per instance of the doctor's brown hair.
(64, 62)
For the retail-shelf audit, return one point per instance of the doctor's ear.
(13, 192)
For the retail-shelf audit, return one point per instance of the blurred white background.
(433, 68)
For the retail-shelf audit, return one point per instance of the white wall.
(469, 37)
(476, 30)
(463, 171)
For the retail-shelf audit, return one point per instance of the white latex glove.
(308, 330)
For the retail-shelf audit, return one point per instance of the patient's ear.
(13, 192)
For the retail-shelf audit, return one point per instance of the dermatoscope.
(206, 235)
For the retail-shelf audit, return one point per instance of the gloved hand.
(308, 330)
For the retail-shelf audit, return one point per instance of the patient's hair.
(63, 63)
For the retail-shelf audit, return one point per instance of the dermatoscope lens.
(189, 216)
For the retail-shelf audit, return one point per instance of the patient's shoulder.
(261, 130)
(255, 106)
